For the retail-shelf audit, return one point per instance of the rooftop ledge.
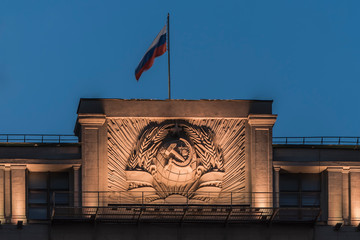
(46, 139)
(173, 108)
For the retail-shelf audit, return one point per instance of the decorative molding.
(334, 169)
(21, 167)
(352, 169)
(262, 119)
(76, 167)
(91, 120)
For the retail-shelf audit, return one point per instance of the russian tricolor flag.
(156, 49)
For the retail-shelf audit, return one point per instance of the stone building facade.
(177, 169)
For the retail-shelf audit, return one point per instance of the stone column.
(261, 159)
(18, 194)
(76, 186)
(92, 154)
(345, 195)
(276, 187)
(7, 196)
(355, 196)
(335, 183)
(2, 194)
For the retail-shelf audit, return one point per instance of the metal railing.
(110, 198)
(58, 138)
(355, 141)
(114, 198)
(232, 207)
(186, 214)
(38, 138)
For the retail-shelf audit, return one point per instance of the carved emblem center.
(175, 158)
(169, 161)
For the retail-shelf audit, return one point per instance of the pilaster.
(2, 193)
(345, 195)
(355, 196)
(335, 193)
(261, 159)
(76, 180)
(276, 187)
(7, 180)
(18, 193)
(93, 143)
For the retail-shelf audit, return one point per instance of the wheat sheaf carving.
(141, 158)
(203, 141)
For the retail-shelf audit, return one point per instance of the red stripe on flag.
(157, 52)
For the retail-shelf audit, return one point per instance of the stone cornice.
(21, 161)
(332, 164)
(76, 167)
(15, 167)
(335, 169)
(174, 108)
(262, 119)
(91, 119)
(277, 169)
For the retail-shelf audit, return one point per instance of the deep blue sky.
(305, 55)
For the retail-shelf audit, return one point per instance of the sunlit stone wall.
(344, 195)
(208, 159)
(178, 151)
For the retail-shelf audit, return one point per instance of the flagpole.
(168, 48)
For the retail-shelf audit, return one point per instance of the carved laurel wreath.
(202, 139)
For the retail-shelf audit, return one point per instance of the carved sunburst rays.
(229, 135)
(223, 148)
(122, 137)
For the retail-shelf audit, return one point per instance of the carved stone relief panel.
(164, 161)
